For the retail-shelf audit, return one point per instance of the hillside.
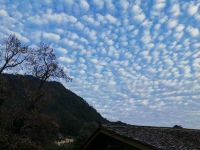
(69, 110)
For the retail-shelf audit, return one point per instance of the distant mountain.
(70, 110)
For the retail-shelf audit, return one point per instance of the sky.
(137, 61)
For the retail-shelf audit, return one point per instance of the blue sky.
(137, 61)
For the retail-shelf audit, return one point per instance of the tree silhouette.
(45, 66)
(26, 127)
(12, 53)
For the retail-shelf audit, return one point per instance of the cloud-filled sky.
(137, 61)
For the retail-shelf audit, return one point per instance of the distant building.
(64, 141)
(129, 137)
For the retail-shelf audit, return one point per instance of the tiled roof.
(163, 138)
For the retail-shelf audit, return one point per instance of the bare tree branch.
(12, 54)
(45, 66)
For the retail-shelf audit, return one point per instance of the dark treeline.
(23, 125)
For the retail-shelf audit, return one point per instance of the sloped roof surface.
(163, 138)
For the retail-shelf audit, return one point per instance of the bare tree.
(12, 53)
(44, 66)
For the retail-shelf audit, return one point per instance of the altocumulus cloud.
(133, 60)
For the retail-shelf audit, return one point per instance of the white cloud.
(69, 18)
(192, 9)
(69, 2)
(66, 60)
(68, 42)
(175, 10)
(140, 17)
(159, 4)
(111, 18)
(3, 13)
(138, 13)
(84, 4)
(178, 35)
(62, 50)
(194, 32)
(172, 23)
(79, 25)
(51, 36)
(187, 71)
(136, 9)
(90, 20)
(92, 34)
(124, 4)
(50, 17)
(110, 6)
(197, 17)
(99, 3)
(196, 63)
(146, 37)
(145, 102)
(180, 28)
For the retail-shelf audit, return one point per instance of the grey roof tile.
(164, 138)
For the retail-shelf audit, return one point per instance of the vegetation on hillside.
(34, 113)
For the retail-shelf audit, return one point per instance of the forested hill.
(70, 111)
